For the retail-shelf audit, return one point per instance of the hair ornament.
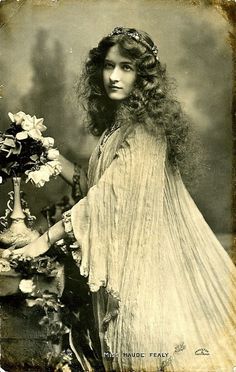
(134, 34)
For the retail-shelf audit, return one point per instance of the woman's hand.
(40, 245)
(33, 249)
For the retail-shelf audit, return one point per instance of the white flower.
(26, 286)
(49, 169)
(17, 118)
(35, 134)
(55, 165)
(28, 123)
(53, 154)
(47, 142)
(32, 127)
(39, 177)
(38, 124)
(43, 174)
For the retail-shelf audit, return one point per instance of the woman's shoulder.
(145, 133)
(142, 141)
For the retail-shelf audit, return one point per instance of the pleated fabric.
(164, 289)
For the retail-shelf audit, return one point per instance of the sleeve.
(114, 222)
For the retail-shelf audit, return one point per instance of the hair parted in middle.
(152, 97)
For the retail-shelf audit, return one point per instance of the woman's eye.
(127, 68)
(108, 65)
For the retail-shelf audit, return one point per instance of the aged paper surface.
(43, 45)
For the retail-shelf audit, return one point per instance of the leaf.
(18, 148)
(9, 153)
(11, 116)
(22, 135)
(34, 157)
(5, 150)
(30, 163)
(9, 142)
(9, 135)
(9, 168)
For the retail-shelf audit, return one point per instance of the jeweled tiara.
(134, 34)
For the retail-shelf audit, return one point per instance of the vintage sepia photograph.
(117, 248)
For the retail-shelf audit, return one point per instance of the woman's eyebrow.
(128, 61)
(122, 61)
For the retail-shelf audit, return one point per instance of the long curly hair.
(152, 97)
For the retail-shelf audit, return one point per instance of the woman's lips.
(114, 87)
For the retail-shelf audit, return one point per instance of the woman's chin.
(116, 96)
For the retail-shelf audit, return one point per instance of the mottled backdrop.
(44, 43)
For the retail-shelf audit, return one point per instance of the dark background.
(44, 43)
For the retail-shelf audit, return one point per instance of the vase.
(18, 234)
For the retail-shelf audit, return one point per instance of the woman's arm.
(74, 175)
(40, 245)
(67, 170)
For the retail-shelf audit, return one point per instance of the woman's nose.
(115, 75)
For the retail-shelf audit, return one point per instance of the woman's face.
(119, 74)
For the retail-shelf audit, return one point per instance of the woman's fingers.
(6, 253)
(13, 253)
(33, 249)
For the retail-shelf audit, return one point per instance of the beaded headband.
(135, 35)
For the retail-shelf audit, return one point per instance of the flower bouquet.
(24, 153)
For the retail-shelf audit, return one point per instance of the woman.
(163, 286)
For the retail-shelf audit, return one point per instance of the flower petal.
(27, 124)
(55, 166)
(11, 116)
(18, 117)
(41, 127)
(47, 142)
(35, 134)
(22, 135)
(53, 154)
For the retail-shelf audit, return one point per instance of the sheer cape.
(163, 286)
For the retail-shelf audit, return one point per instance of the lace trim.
(66, 218)
(74, 247)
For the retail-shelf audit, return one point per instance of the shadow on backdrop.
(211, 81)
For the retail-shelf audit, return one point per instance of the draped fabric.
(164, 289)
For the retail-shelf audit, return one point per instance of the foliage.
(28, 266)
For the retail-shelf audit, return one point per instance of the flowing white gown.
(164, 289)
